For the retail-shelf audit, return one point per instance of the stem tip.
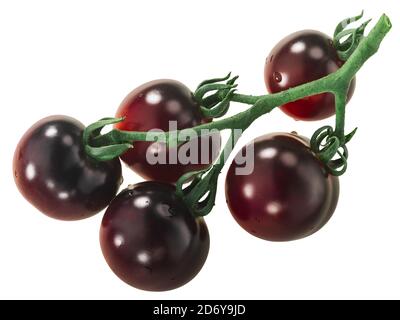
(387, 21)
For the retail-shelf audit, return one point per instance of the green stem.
(246, 99)
(340, 102)
(336, 83)
(233, 138)
(114, 143)
(326, 142)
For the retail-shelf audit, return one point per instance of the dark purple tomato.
(302, 57)
(53, 172)
(152, 106)
(287, 196)
(151, 240)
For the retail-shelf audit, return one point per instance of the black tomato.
(53, 172)
(287, 196)
(151, 240)
(152, 106)
(299, 58)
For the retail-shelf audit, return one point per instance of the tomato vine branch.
(334, 83)
(214, 97)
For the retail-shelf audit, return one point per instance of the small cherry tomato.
(151, 240)
(154, 105)
(53, 172)
(299, 58)
(287, 196)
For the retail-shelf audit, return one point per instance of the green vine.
(215, 95)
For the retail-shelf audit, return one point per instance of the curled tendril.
(110, 149)
(201, 190)
(346, 41)
(214, 97)
(331, 149)
(345, 22)
(220, 109)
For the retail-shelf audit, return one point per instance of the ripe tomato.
(151, 240)
(289, 195)
(152, 106)
(53, 172)
(299, 58)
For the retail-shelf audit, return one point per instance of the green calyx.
(346, 41)
(110, 149)
(201, 190)
(214, 97)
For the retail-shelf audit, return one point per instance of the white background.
(81, 58)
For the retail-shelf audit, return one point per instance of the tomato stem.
(336, 83)
(326, 142)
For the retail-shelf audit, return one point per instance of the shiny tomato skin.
(288, 196)
(53, 172)
(151, 240)
(302, 57)
(152, 106)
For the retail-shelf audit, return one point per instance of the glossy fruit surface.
(299, 58)
(287, 196)
(152, 106)
(150, 239)
(55, 175)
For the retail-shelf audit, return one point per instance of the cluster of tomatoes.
(148, 236)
